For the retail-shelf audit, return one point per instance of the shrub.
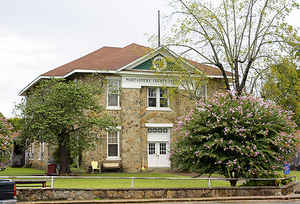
(235, 136)
(275, 182)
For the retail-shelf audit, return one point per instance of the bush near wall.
(235, 136)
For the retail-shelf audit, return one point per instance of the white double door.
(158, 147)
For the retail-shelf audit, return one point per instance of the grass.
(138, 183)
(296, 173)
(22, 172)
(124, 183)
(117, 183)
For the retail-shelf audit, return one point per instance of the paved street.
(237, 201)
(174, 202)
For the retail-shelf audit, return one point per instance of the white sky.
(37, 36)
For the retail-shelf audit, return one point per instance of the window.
(162, 148)
(151, 148)
(31, 151)
(113, 93)
(113, 145)
(158, 97)
(42, 150)
(158, 130)
(202, 92)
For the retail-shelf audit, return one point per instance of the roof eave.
(22, 92)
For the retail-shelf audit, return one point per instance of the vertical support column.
(52, 182)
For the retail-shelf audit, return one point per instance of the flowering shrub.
(235, 136)
(5, 141)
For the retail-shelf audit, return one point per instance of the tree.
(16, 123)
(5, 140)
(240, 36)
(235, 136)
(187, 81)
(66, 114)
(283, 87)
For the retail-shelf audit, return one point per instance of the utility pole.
(158, 28)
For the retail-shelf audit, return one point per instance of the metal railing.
(209, 179)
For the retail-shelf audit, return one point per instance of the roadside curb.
(289, 197)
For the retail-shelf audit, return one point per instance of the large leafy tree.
(240, 36)
(283, 87)
(16, 123)
(235, 136)
(5, 139)
(66, 114)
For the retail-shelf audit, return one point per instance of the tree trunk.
(64, 160)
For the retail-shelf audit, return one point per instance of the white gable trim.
(150, 73)
(142, 59)
(34, 81)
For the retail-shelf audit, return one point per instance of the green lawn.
(21, 172)
(116, 183)
(138, 183)
(122, 183)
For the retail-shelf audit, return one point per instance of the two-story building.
(137, 96)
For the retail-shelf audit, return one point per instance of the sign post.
(286, 168)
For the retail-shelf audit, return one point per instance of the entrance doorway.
(158, 147)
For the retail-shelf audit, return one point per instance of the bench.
(111, 165)
(43, 182)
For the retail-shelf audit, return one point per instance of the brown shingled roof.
(106, 58)
(209, 70)
(114, 58)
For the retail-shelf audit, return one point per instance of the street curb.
(289, 197)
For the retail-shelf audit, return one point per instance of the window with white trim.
(31, 151)
(113, 93)
(113, 145)
(158, 97)
(202, 92)
(42, 150)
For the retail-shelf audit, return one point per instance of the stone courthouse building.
(141, 104)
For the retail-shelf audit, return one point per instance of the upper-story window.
(113, 93)
(158, 98)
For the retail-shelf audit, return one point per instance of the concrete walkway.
(181, 200)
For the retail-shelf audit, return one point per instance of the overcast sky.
(37, 36)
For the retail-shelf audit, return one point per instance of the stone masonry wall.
(131, 131)
(132, 193)
(133, 116)
(133, 135)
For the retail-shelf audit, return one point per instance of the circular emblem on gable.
(159, 63)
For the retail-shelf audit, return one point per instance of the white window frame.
(157, 91)
(205, 91)
(31, 152)
(42, 150)
(118, 139)
(117, 107)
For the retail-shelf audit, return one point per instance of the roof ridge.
(135, 44)
(110, 47)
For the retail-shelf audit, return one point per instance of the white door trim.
(164, 125)
(157, 137)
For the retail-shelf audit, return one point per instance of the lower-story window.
(113, 145)
(31, 151)
(42, 150)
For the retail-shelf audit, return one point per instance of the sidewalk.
(180, 200)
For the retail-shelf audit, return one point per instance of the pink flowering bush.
(5, 140)
(235, 136)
